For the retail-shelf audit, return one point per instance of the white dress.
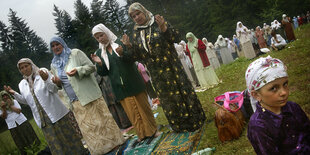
(212, 56)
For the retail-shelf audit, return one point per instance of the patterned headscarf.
(35, 70)
(7, 104)
(60, 61)
(149, 16)
(193, 44)
(262, 71)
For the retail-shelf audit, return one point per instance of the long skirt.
(207, 77)
(98, 127)
(140, 114)
(61, 137)
(248, 50)
(226, 55)
(24, 136)
(115, 107)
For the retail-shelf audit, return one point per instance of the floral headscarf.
(262, 71)
(149, 16)
(35, 70)
(60, 61)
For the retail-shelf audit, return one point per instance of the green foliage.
(8, 147)
(19, 41)
(210, 18)
(33, 148)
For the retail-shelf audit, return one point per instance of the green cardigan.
(124, 75)
(84, 83)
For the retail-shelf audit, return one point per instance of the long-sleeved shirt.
(286, 133)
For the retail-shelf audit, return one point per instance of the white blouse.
(14, 117)
(46, 93)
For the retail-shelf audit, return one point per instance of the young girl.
(278, 126)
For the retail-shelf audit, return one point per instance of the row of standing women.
(73, 72)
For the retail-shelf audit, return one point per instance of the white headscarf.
(221, 41)
(112, 38)
(284, 18)
(205, 41)
(263, 71)
(241, 29)
(275, 25)
(34, 72)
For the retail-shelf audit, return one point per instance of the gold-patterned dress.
(177, 96)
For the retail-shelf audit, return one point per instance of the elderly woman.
(18, 125)
(40, 93)
(74, 72)
(152, 44)
(127, 84)
(244, 35)
(205, 73)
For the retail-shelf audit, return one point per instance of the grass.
(296, 56)
(8, 147)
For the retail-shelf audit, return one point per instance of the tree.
(83, 24)
(116, 17)
(65, 27)
(97, 14)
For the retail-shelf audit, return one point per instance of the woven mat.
(178, 143)
(142, 147)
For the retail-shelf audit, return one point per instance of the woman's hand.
(17, 110)
(119, 50)
(96, 59)
(72, 72)
(56, 80)
(161, 23)
(9, 89)
(125, 40)
(2, 104)
(43, 74)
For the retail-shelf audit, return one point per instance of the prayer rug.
(179, 143)
(142, 147)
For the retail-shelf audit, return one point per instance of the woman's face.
(101, 38)
(138, 17)
(240, 25)
(57, 47)
(190, 39)
(274, 94)
(6, 98)
(25, 68)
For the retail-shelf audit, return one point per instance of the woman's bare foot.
(158, 133)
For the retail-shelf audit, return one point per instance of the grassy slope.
(7, 145)
(296, 56)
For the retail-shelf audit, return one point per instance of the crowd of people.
(92, 101)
